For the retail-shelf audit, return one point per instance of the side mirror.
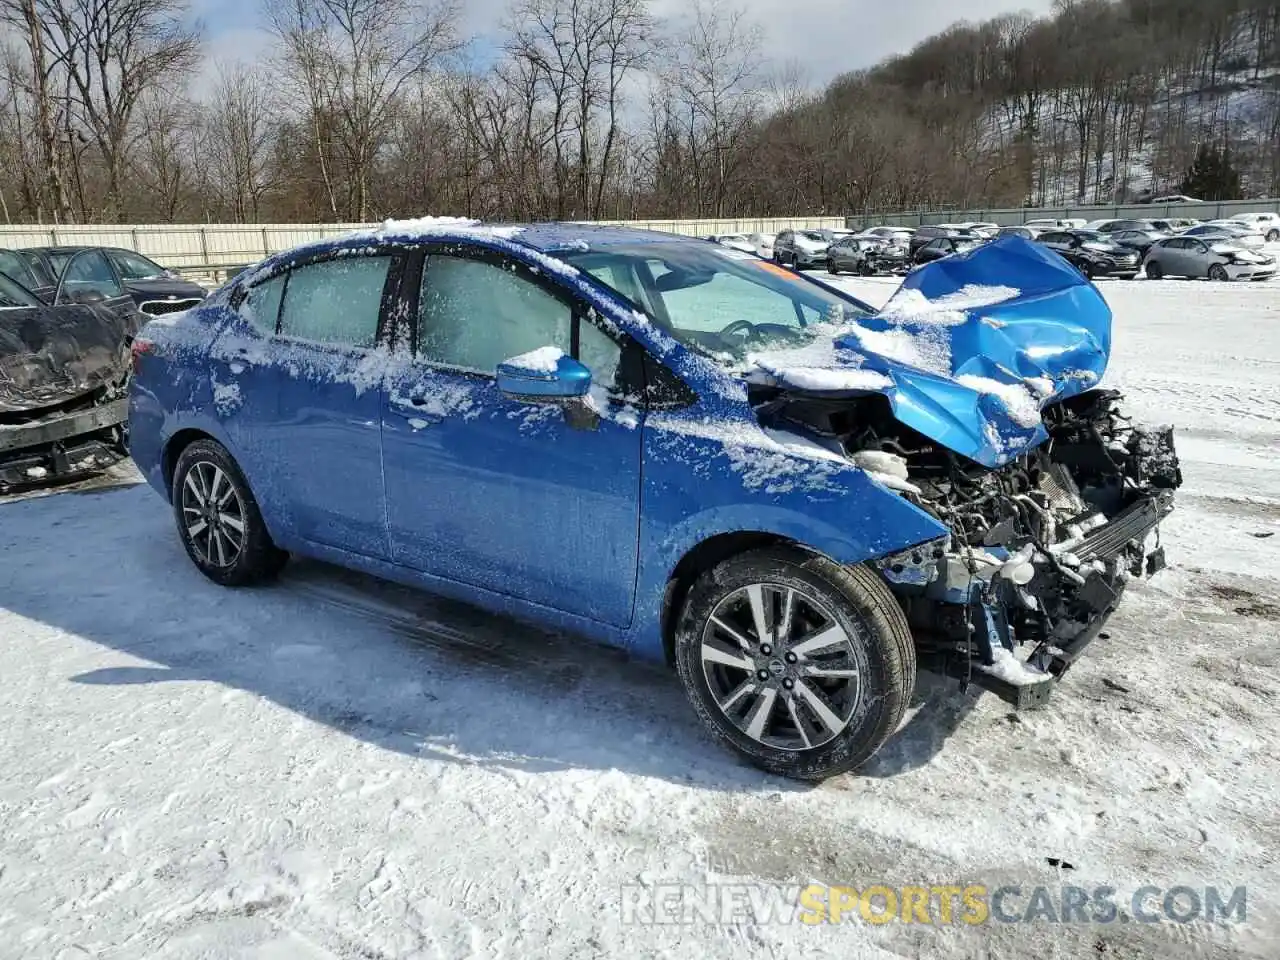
(544, 374)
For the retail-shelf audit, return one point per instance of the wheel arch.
(173, 450)
(702, 557)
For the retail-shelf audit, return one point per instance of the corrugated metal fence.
(1015, 215)
(217, 247)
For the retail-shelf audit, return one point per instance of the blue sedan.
(676, 448)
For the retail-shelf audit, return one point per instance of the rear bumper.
(63, 446)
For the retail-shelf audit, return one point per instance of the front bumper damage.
(63, 443)
(1041, 550)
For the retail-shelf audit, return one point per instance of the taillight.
(139, 347)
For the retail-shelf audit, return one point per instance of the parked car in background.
(1268, 223)
(1171, 198)
(1046, 224)
(64, 370)
(866, 256)
(763, 244)
(635, 438)
(927, 234)
(940, 247)
(801, 249)
(734, 241)
(1112, 226)
(984, 228)
(1026, 231)
(154, 289)
(1214, 258)
(1228, 231)
(1093, 253)
(1139, 241)
(900, 236)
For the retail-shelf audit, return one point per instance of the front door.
(536, 501)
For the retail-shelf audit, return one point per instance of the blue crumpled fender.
(1048, 334)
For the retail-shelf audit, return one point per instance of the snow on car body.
(676, 448)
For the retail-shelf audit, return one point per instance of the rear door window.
(335, 301)
(261, 305)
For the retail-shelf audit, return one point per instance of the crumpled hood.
(52, 354)
(969, 349)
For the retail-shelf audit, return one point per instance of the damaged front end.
(63, 391)
(1041, 548)
(1051, 495)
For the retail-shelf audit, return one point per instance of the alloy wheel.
(1218, 273)
(780, 667)
(213, 514)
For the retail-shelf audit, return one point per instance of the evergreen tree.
(1212, 176)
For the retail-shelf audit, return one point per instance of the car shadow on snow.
(386, 664)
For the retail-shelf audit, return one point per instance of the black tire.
(1273, 236)
(832, 268)
(1218, 273)
(257, 559)
(865, 610)
(1154, 271)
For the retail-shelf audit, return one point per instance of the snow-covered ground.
(334, 767)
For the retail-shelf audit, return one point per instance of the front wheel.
(1273, 236)
(1218, 273)
(802, 666)
(832, 268)
(218, 518)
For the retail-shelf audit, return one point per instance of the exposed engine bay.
(1040, 548)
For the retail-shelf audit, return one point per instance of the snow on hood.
(969, 349)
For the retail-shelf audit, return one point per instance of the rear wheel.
(218, 518)
(1219, 273)
(800, 665)
(1155, 271)
(1273, 235)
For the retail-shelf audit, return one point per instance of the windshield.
(1093, 236)
(14, 294)
(713, 300)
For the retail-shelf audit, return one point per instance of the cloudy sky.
(827, 37)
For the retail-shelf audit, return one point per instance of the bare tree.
(112, 55)
(237, 136)
(353, 60)
(715, 78)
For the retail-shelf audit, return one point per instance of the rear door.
(322, 441)
(536, 501)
